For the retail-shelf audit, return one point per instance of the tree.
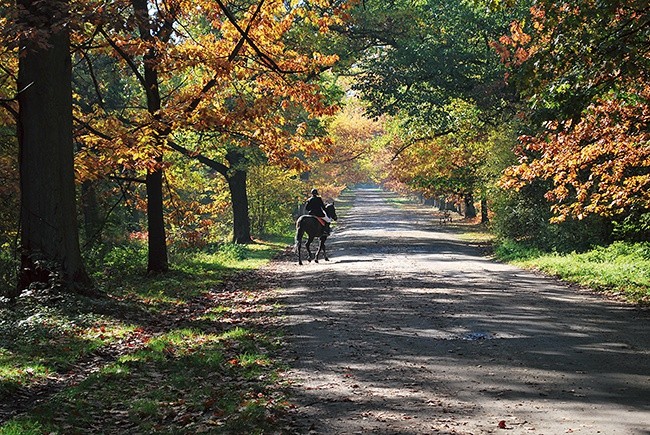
(49, 239)
(583, 67)
(223, 74)
(235, 174)
(157, 252)
(599, 166)
(346, 160)
(425, 54)
(421, 62)
(565, 55)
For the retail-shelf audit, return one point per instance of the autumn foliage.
(599, 166)
(582, 65)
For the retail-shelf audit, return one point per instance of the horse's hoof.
(315, 261)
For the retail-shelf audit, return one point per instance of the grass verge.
(191, 351)
(620, 269)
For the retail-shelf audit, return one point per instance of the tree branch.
(240, 44)
(124, 55)
(418, 140)
(129, 179)
(219, 167)
(5, 103)
(338, 162)
(92, 129)
(93, 77)
(266, 59)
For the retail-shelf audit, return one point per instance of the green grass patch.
(24, 426)
(403, 201)
(40, 338)
(195, 355)
(621, 269)
(477, 233)
(184, 381)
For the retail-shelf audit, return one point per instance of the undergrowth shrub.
(129, 258)
(8, 268)
(233, 252)
(525, 217)
(635, 227)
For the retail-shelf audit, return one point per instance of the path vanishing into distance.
(411, 330)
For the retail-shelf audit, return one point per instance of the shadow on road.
(412, 331)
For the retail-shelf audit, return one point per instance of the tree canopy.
(186, 117)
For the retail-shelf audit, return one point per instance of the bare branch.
(217, 166)
(240, 44)
(129, 179)
(338, 162)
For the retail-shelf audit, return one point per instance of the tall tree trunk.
(157, 244)
(235, 175)
(49, 233)
(157, 241)
(484, 211)
(237, 185)
(470, 210)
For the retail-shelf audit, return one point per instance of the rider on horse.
(316, 207)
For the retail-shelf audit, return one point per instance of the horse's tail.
(299, 233)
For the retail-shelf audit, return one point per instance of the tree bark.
(157, 241)
(470, 209)
(49, 233)
(484, 211)
(237, 185)
(90, 210)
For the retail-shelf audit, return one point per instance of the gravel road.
(410, 330)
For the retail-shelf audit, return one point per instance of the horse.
(310, 225)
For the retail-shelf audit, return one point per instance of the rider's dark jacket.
(315, 206)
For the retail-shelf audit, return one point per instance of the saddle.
(320, 220)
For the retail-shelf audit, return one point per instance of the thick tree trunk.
(484, 211)
(470, 210)
(49, 234)
(237, 185)
(157, 243)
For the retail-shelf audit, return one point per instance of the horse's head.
(331, 211)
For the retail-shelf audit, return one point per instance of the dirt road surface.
(410, 330)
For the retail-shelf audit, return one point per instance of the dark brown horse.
(310, 225)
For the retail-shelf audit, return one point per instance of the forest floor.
(410, 330)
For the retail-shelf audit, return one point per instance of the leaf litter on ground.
(154, 365)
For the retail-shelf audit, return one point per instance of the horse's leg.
(309, 240)
(299, 234)
(322, 247)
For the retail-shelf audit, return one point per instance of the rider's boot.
(327, 230)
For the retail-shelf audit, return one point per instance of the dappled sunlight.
(417, 329)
